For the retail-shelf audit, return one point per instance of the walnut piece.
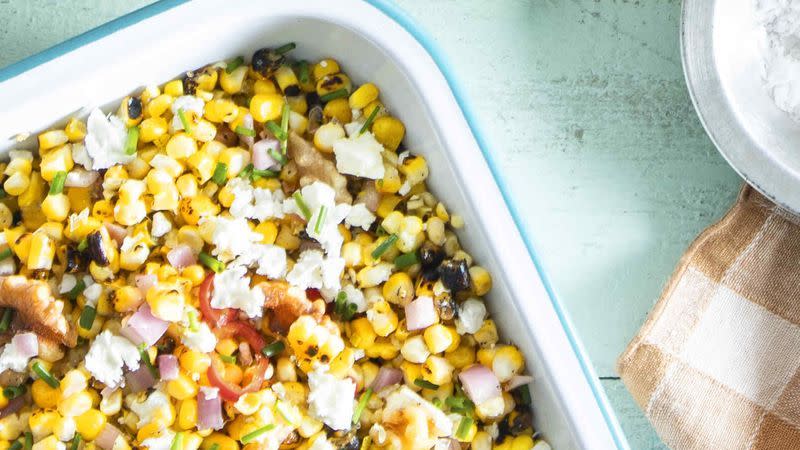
(314, 166)
(38, 309)
(287, 304)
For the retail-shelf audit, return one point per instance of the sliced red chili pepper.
(313, 294)
(213, 316)
(229, 391)
(243, 330)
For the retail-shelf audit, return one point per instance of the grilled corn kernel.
(287, 81)
(56, 160)
(387, 204)
(182, 387)
(486, 356)
(51, 139)
(34, 194)
(232, 82)
(76, 130)
(391, 182)
(389, 131)
(481, 280)
(75, 405)
(202, 165)
(159, 105)
(437, 370)
(128, 299)
(399, 289)
(415, 168)
(152, 128)
(438, 338)
(326, 135)
(16, 184)
(415, 350)
(338, 109)
(327, 66)
(204, 131)
(194, 273)
(382, 318)
(166, 301)
(222, 442)
(268, 231)
(236, 158)
(195, 208)
(194, 362)
(187, 414)
(486, 334)
(90, 423)
(42, 252)
(174, 88)
(333, 82)
(507, 362)
(298, 105)
(181, 146)
(363, 96)
(41, 423)
(311, 342)
(285, 370)
(220, 110)
(264, 87)
(43, 395)
(56, 207)
(265, 107)
(351, 252)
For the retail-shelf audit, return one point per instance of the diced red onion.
(145, 282)
(107, 437)
(420, 314)
(140, 379)
(181, 256)
(247, 122)
(261, 157)
(27, 344)
(245, 355)
(480, 383)
(116, 232)
(12, 406)
(517, 381)
(78, 177)
(168, 367)
(142, 327)
(387, 376)
(209, 412)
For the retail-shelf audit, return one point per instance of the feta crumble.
(360, 216)
(313, 270)
(401, 398)
(12, 359)
(155, 405)
(356, 297)
(161, 225)
(359, 155)
(80, 156)
(232, 290)
(108, 354)
(160, 442)
(254, 203)
(202, 340)
(68, 281)
(105, 140)
(269, 260)
(471, 314)
(232, 237)
(326, 215)
(330, 399)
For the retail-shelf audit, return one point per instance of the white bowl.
(373, 43)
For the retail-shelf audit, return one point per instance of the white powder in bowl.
(781, 53)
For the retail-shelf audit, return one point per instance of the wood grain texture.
(586, 108)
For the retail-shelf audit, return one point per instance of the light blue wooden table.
(585, 103)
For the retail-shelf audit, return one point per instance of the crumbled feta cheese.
(160, 442)
(356, 297)
(232, 237)
(92, 294)
(313, 270)
(105, 140)
(402, 157)
(360, 216)
(68, 281)
(330, 399)
(209, 393)
(405, 188)
(269, 260)
(203, 340)
(80, 156)
(161, 224)
(470, 316)
(12, 357)
(186, 103)
(401, 398)
(359, 155)
(353, 127)
(108, 354)
(326, 215)
(254, 203)
(155, 405)
(232, 290)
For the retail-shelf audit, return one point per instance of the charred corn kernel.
(389, 131)
(194, 362)
(415, 350)
(374, 275)
(481, 280)
(204, 131)
(174, 88)
(57, 160)
(327, 66)
(75, 130)
(298, 105)
(391, 182)
(35, 192)
(79, 198)
(522, 443)
(362, 334)
(52, 138)
(103, 209)
(387, 204)
(187, 414)
(485, 356)
(399, 289)
(438, 338)
(187, 185)
(311, 342)
(481, 441)
(16, 184)
(190, 235)
(363, 96)
(268, 231)
(42, 252)
(148, 431)
(287, 239)
(248, 403)
(232, 82)
(97, 325)
(56, 207)
(20, 243)
(265, 107)
(202, 165)
(159, 105)
(339, 110)
(236, 158)
(222, 441)
(181, 146)
(287, 81)
(132, 255)
(383, 348)
(507, 362)
(75, 405)
(195, 208)
(152, 128)
(226, 346)
(128, 299)
(43, 395)
(182, 387)
(220, 110)
(486, 334)
(194, 273)
(415, 168)
(298, 122)
(326, 135)
(342, 364)
(90, 423)
(411, 372)
(166, 301)
(437, 370)
(264, 87)
(285, 370)
(3, 400)
(333, 82)
(351, 252)
(382, 318)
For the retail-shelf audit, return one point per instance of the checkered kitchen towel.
(717, 363)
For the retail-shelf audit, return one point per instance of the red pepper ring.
(232, 392)
(242, 330)
(213, 316)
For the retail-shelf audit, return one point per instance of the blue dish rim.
(401, 17)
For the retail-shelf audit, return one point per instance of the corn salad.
(245, 257)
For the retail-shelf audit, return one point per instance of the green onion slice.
(146, 360)
(211, 262)
(285, 125)
(285, 48)
(57, 184)
(87, 317)
(303, 72)
(339, 93)
(244, 131)
(230, 359)
(184, 121)
(177, 442)
(233, 65)
(343, 308)
(263, 173)
(13, 392)
(524, 395)
(437, 402)
(301, 204)
(28, 440)
(247, 172)
(44, 375)
(370, 119)
(425, 384)
(220, 174)
(194, 325)
(276, 130)
(273, 349)
(5, 254)
(277, 156)
(73, 293)
(132, 140)
(362, 404)
(406, 260)
(385, 245)
(253, 435)
(5, 322)
(463, 428)
(76, 442)
(17, 445)
(320, 219)
(83, 245)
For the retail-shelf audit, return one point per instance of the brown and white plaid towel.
(717, 363)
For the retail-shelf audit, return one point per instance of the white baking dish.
(376, 42)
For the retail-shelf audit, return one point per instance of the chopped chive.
(44, 375)
(194, 325)
(385, 245)
(214, 447)
(277, 156)
(87, 317)
(285, 126)
(279, 408)
(302, 69)
(220, 174)
(73, 293)
(132, 140)
(339, 93)
(5, 254)
(524, 395)
(244, 131)
(273, 349)
(301, 204)
(342, 308)
(13, 392)
(362, 404)
(3, 193)
(145, 356)
(57, 185)
(462, 433)
(230, 359)
(184, 121)
(211, 262)
(276, 130)
(76, 442)
(285, 48)
(83, 245)
(320, 219)
(17, 445)
(370, 119)
(265, 173)
(459, 404)
(233, 65)
(253, 435)
(5, 322)
(177, 441)
(247, 172)
(437, 402)
(28, 440)
(405, 260)
(425, 384)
